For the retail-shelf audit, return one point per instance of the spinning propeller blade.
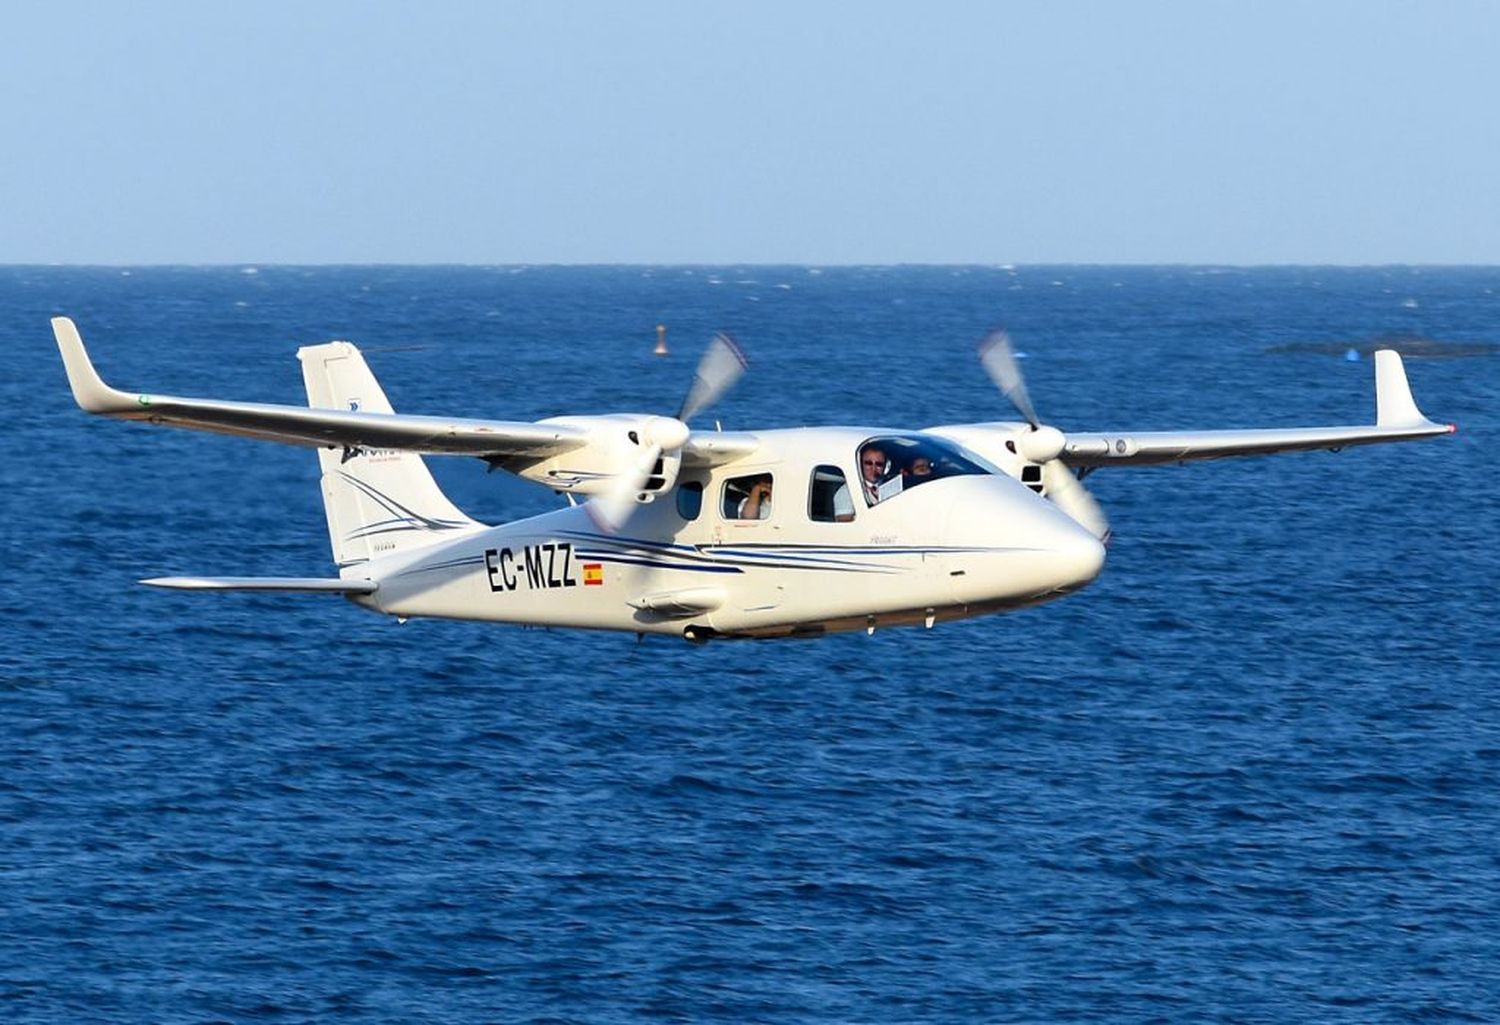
(1043, 445)
(721, 366)
(1000, 363)
(1073, 498)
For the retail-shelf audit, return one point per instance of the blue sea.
(1251, 774)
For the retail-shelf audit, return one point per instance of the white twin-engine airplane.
(699, 534)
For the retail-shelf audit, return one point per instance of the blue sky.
(1193, 132)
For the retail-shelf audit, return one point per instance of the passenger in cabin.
(756, 505)
(842, 503)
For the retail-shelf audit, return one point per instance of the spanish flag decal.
(593, 574)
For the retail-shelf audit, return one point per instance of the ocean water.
(1252, 774)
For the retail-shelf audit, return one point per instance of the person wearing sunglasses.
(874, 465)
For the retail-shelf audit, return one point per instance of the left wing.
(299, 425)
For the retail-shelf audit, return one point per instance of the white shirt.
(843, 504)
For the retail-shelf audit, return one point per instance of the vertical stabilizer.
(378, 501)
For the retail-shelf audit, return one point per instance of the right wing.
(299, 425)
(1147, 448)
(1397, 418)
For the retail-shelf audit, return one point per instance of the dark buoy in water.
(1351, 355)
(661, 340)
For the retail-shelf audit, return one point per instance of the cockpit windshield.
(894, 463)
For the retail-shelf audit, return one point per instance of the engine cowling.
(617, 444)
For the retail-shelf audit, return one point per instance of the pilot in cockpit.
(873, 467)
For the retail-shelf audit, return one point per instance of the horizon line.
(582, 265)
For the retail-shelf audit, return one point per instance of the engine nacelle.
(616, 443)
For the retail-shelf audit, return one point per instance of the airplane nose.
(1016, 547)
(1078, 558)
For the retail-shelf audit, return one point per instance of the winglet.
(1394, 406)
(89, 389)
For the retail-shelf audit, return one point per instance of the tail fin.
(378, 501)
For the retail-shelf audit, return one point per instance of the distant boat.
(1408, 344)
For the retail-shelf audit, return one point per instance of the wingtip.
(1394, 405)
(89, 389)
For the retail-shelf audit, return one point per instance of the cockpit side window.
(828, 498)
(893, 464)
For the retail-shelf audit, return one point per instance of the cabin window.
(891, 465)
(748, 497)
(690, 500)
(828, 497)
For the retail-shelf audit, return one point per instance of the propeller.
(1042, 445)
(721, 365)
(1000, 363)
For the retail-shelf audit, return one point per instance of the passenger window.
(828, 498)
(748, 497)
(690, 500)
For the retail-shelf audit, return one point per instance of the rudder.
(378, 501)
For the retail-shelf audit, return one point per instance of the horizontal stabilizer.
(304, 584)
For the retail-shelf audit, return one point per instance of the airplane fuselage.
(690, 564)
